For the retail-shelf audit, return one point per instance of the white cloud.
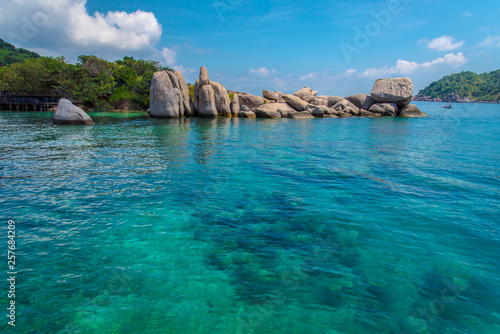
(118, 30)
(350, 72)
(184, 70)
(310, 76)
(454, 60)
(443, 43)
(170, 56)
(404, 67)
(491, 41)
(263, 72)
(467, 14)
(67, 27)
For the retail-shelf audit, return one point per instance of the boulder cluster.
(170, 99)
(169, 96)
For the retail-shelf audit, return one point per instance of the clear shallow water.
(137, 225)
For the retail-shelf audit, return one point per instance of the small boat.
(447, 107)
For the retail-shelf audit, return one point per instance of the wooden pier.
(28, 103)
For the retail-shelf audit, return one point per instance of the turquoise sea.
(241, 226)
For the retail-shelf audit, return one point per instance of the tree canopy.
(477, 87)
(96, 82)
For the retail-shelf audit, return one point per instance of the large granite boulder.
(222, 102)
(377, 108)
(412, 111)
(186, 97)
(318, 111)
(178, 99)
(207, 102)
(362, 101)
(319, 101)
(194, 111)
(235, 105)
(344, 115)
(164, 101)
(353, 111)
(249, 100)
(384, 109)
(282, 108)
(204, 80)
(217, 92)
(346, 106)
(366, 113)
(305, 94)
(280, 94)
(247, 114)
(300, 115)
(398, 90)
(330, 111)
(270, 95)
(296, 102)
(333, 100)
(177, 91)
(69, 114)
(196, 100)
(266, 113)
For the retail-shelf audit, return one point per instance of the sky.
(336, 47)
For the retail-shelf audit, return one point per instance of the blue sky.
(335, 47)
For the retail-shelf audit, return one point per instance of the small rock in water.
(69, 114)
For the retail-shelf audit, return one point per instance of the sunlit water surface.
(139, 225)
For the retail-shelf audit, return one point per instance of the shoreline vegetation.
(92, 83)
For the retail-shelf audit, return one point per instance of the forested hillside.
(9, 54)
(459, 86)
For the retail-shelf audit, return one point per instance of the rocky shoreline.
(449, 98)
(170, 98)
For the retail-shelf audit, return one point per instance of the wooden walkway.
(28, 103)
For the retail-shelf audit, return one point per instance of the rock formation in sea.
(411, 110)
(398, 90)
(210, 98)
(69, 114)
(251, 101)
(170, 98)
(164, 102)
(235, 105)
(270, 95)
(207, 107)
(362, 101)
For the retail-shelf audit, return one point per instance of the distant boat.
(447, 107)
